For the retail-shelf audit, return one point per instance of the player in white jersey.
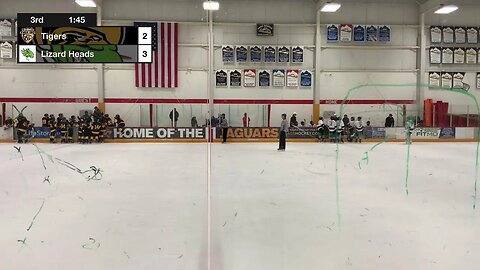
(359, 129)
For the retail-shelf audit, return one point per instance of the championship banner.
(306, 78)
(434, 79)
(435, 34)
(332, 33)
(235, 78)
(471, 56)
(458, 80)
(359, 33)
(249, 78)
(6, 49)
(346, 32)
(459, 56)
(447, 55)
(278, 77)
(297, 54)
(472, 35)
(241, 53)
(448, 34)
(5, 28)
(250, 133)
(270, 54)
(221, 78)
(292, 78)
(372, 33)
(255, 54)
(460, 35)
(447, 80)
(264, 78)
(265, 29)
(283, 54)
(435, 55)
(384, 33)
(157, 133)
(478, 80)
(227, 54)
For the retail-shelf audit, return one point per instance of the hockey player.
(332, 126)
(96, 127)
(72, 124)
(320, 129)
(53, 128)
(86, 118)
(81, 128)
(119, 123)
(21, 125)
(103, 129)
(45, 120)
(62, 127)
(359, 130)
(109, 120)
(409, 128)
(87, 133)
(340, 131)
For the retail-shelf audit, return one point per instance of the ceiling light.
(330, 7)
(446, 9)
(211, 5)
(85, 3)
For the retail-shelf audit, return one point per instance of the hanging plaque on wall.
(460, 35)
(270, 54)
(235, 78)
(283, 54)
(297, 54)
(292, 78)
(447, 80)
(249, 77)
(359, 33)
(384, 33)
(372, 33)
(265, 29)
(332, 33)
(346, 32)
(255, 54)
(458, 80)
(264, 78)
(227, 54)
(471, 56)
(242, 54)
(447, 55)
(434, 79)
(435, 34)
(5, 28)
(6, 49)
(221, 78)
(459, 56)
(448, 34)
(478, 80)
(472, 35)
(306, 78)
(278, 77)
(435, 55)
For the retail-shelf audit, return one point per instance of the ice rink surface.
(144, 206)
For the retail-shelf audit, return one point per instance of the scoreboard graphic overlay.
(84, 44)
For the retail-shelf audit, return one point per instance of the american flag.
(163, 71)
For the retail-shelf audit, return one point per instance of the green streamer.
(455, 91)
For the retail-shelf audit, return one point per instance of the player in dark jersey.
(72, 124)
(53, 128)
(21, 126)
(96, 127)
(63, 128)
(45, 120)
(119, 123)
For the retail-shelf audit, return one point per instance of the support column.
(317, 65)
(100, 68)
(421, 65)
(211, 73)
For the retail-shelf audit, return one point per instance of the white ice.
(270, 210)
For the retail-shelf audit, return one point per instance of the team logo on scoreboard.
(27, 34)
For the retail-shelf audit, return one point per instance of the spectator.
(389, 121)
(224, 126)
(246, 120)
(302, 123)
(368, 124)
(293, 120)
(174, 117)
(283, 133)
(312, 124)
(194, 122)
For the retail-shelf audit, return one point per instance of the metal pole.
(421, 59)
(100, 68)
(451, 115)
(210, 94)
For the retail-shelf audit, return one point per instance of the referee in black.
(283, 133)
(224, 126)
